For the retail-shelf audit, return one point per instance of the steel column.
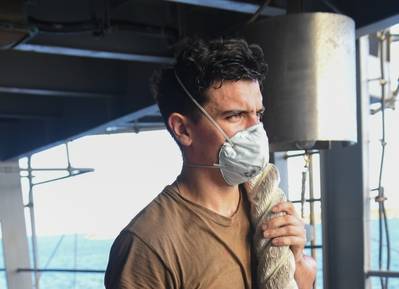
(12, 218)
(345, 193)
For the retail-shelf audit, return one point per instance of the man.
(196, 232)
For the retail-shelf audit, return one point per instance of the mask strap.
(190, 165)
(202, 109)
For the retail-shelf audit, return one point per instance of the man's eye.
(260, 114)
(235, 116)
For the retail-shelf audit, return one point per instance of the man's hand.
(289, 230)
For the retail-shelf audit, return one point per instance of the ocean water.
(83, 252)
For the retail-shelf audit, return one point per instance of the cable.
(392, 249)
(308, 171)
(303, 189)
(35, 251)
(380, 198)
(235, 29)
(51, 257)
(107, 14)
(54, 252)
(331, 6)
(64, 27)
(75, 259)
(258, 12)
(99, 27)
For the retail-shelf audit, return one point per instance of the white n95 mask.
(241, 157)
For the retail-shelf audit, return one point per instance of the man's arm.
(289, 230)
(133, 264)
(305, 272)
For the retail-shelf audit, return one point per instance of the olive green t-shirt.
(174, 243)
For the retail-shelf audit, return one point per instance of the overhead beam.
(124, 121)
(46, 120)
(236, 6)
(60, 50)
(377, 26)
(54, 93)
(43, 108)
(43, 135)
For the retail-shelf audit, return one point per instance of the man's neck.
(205, 187)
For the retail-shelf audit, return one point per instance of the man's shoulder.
(160, 219)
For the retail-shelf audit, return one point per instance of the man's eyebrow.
(232, 111)
(235, 111)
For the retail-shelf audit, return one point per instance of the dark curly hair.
(201, 64)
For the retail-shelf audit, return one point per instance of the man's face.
(235, 106)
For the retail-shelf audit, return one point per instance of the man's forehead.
(235, 95)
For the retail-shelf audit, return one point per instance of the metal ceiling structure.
(69, 68)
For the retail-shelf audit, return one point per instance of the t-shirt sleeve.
(133, 264)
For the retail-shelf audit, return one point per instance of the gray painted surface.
(345, 191)
(43, 113)
(15, 242)
(310, 90)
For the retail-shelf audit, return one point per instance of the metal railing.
(60, 270)
(387, 274)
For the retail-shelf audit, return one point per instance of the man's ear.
(179, 125)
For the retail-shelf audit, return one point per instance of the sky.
(131, 169)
